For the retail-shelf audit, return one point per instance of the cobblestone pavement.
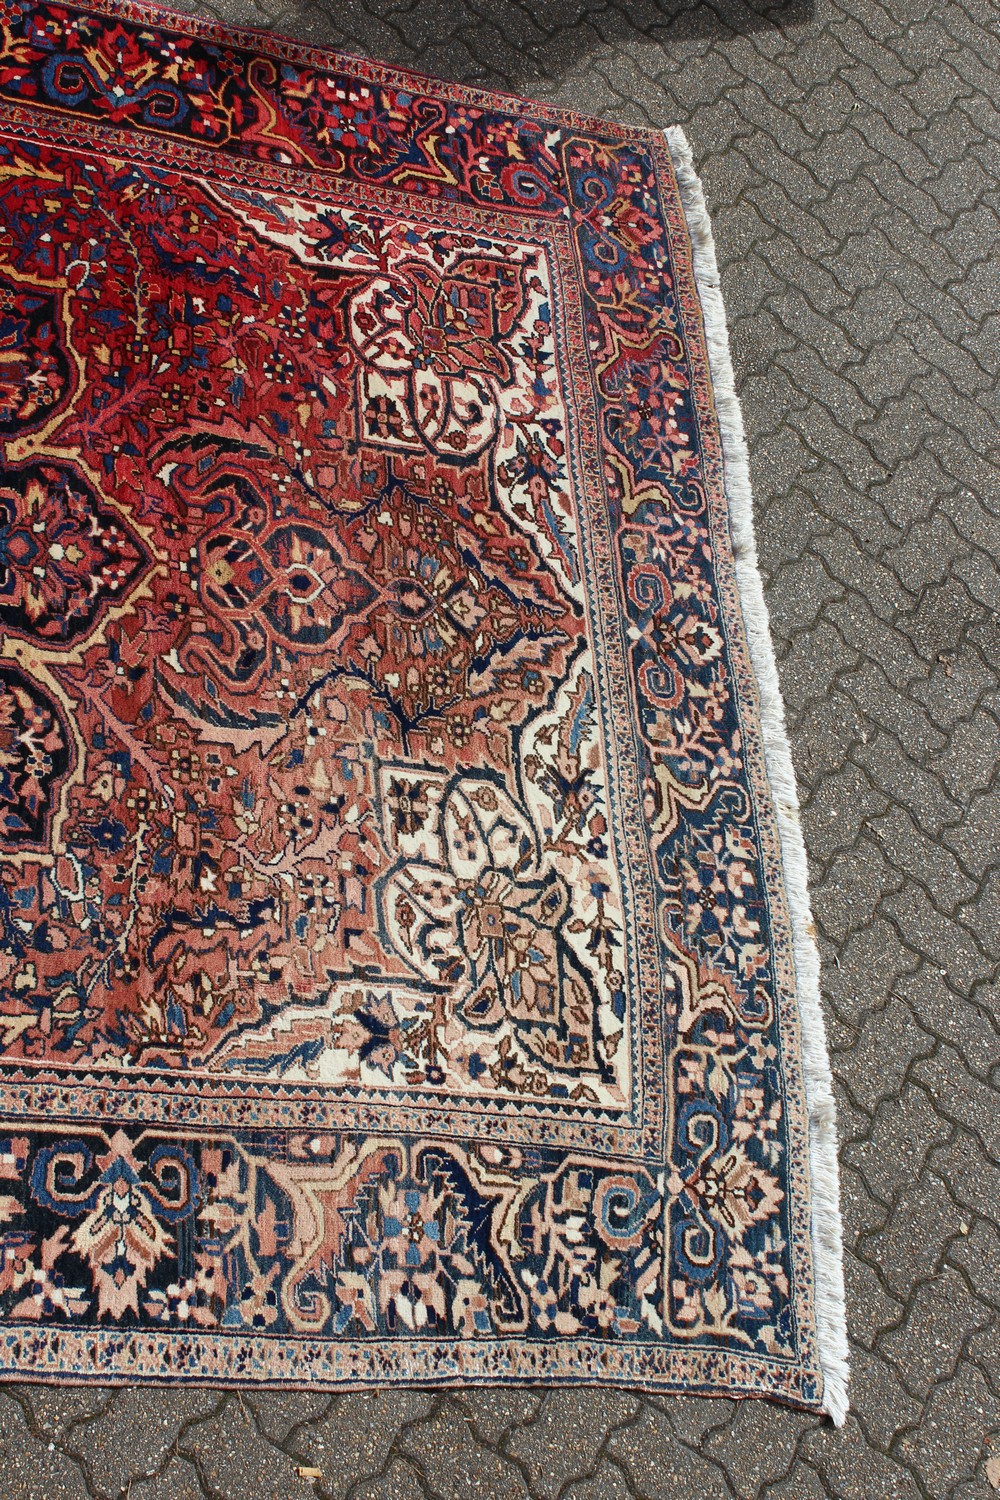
(851, 158)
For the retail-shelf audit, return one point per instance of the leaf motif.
(121, 1241)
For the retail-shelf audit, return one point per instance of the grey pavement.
(850, 151)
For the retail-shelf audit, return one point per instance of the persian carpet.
(407, 974)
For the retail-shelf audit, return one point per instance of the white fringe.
(826, 1228)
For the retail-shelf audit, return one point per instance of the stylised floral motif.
(122, 1208)
(34, 368)
(412, 1261)
(517, 932)
(34, 757)
(395, 978)
(435, 351)
(408, 804)
(63, 556)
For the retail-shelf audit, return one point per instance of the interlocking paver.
(854, 1469)
(972, 1177)
(234, 1460)
(802, 1483)
(134, 1434)
(984, 1352)
(399, 1482)
(850, 151)
(694, 1421)
(608, 1482)
(493, 1412)
(54, 1409)
(862, 1065)
(882, 1402)
(977, 1252)
(660, 1466)
(902, 1264)
(278, 1413)
(752, 1451)
(961, 1097)
(33, 1469)
(455, 1465)
(354, 1439)
(872, 1306)
(945, 1448)
(178, 1480)
(893, 1150)
(940, 1317)
(566, 1437)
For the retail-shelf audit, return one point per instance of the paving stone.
(910, 497)
(979, 1487)
(802, 1483)
(880, 1401)
(969, 1023)
(961, 1097)
(177, 1481)
(850, 561)
(608, 1483)
(871, 1071)
(983, 916)
(946, 1448)
(692, 1420)
(924, 557)
(817, 750)
(941, 1315)
(132, 1436)
(873, 1309)
(563, 1441)
(33, 1469)
(752, 1450)
(976, 1251)
(805, 586)
(353, 1441)
(494, 1412)
(863, 1215)
(983, 1349)
(898, 774)
(973, 1179)
(278, 1412)
(940, 873)
(978, 570)
(904, 1131)
(799, 672)
(454, 1466)
(955, 686)
(868, 966)
(853, 1469)
(892, 710)
(661, 1467)
(55, 1408)
(842, 805)
(936, 627)
(400, 1482)
(900, 1262)
(952, 946)
(973, 838)
(235, 1461)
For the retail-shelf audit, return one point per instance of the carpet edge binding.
(827, 1234)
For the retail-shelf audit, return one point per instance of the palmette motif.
(394, 950)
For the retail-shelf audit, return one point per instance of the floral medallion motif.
(34, 368)
(35, 755)
(63, 556)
